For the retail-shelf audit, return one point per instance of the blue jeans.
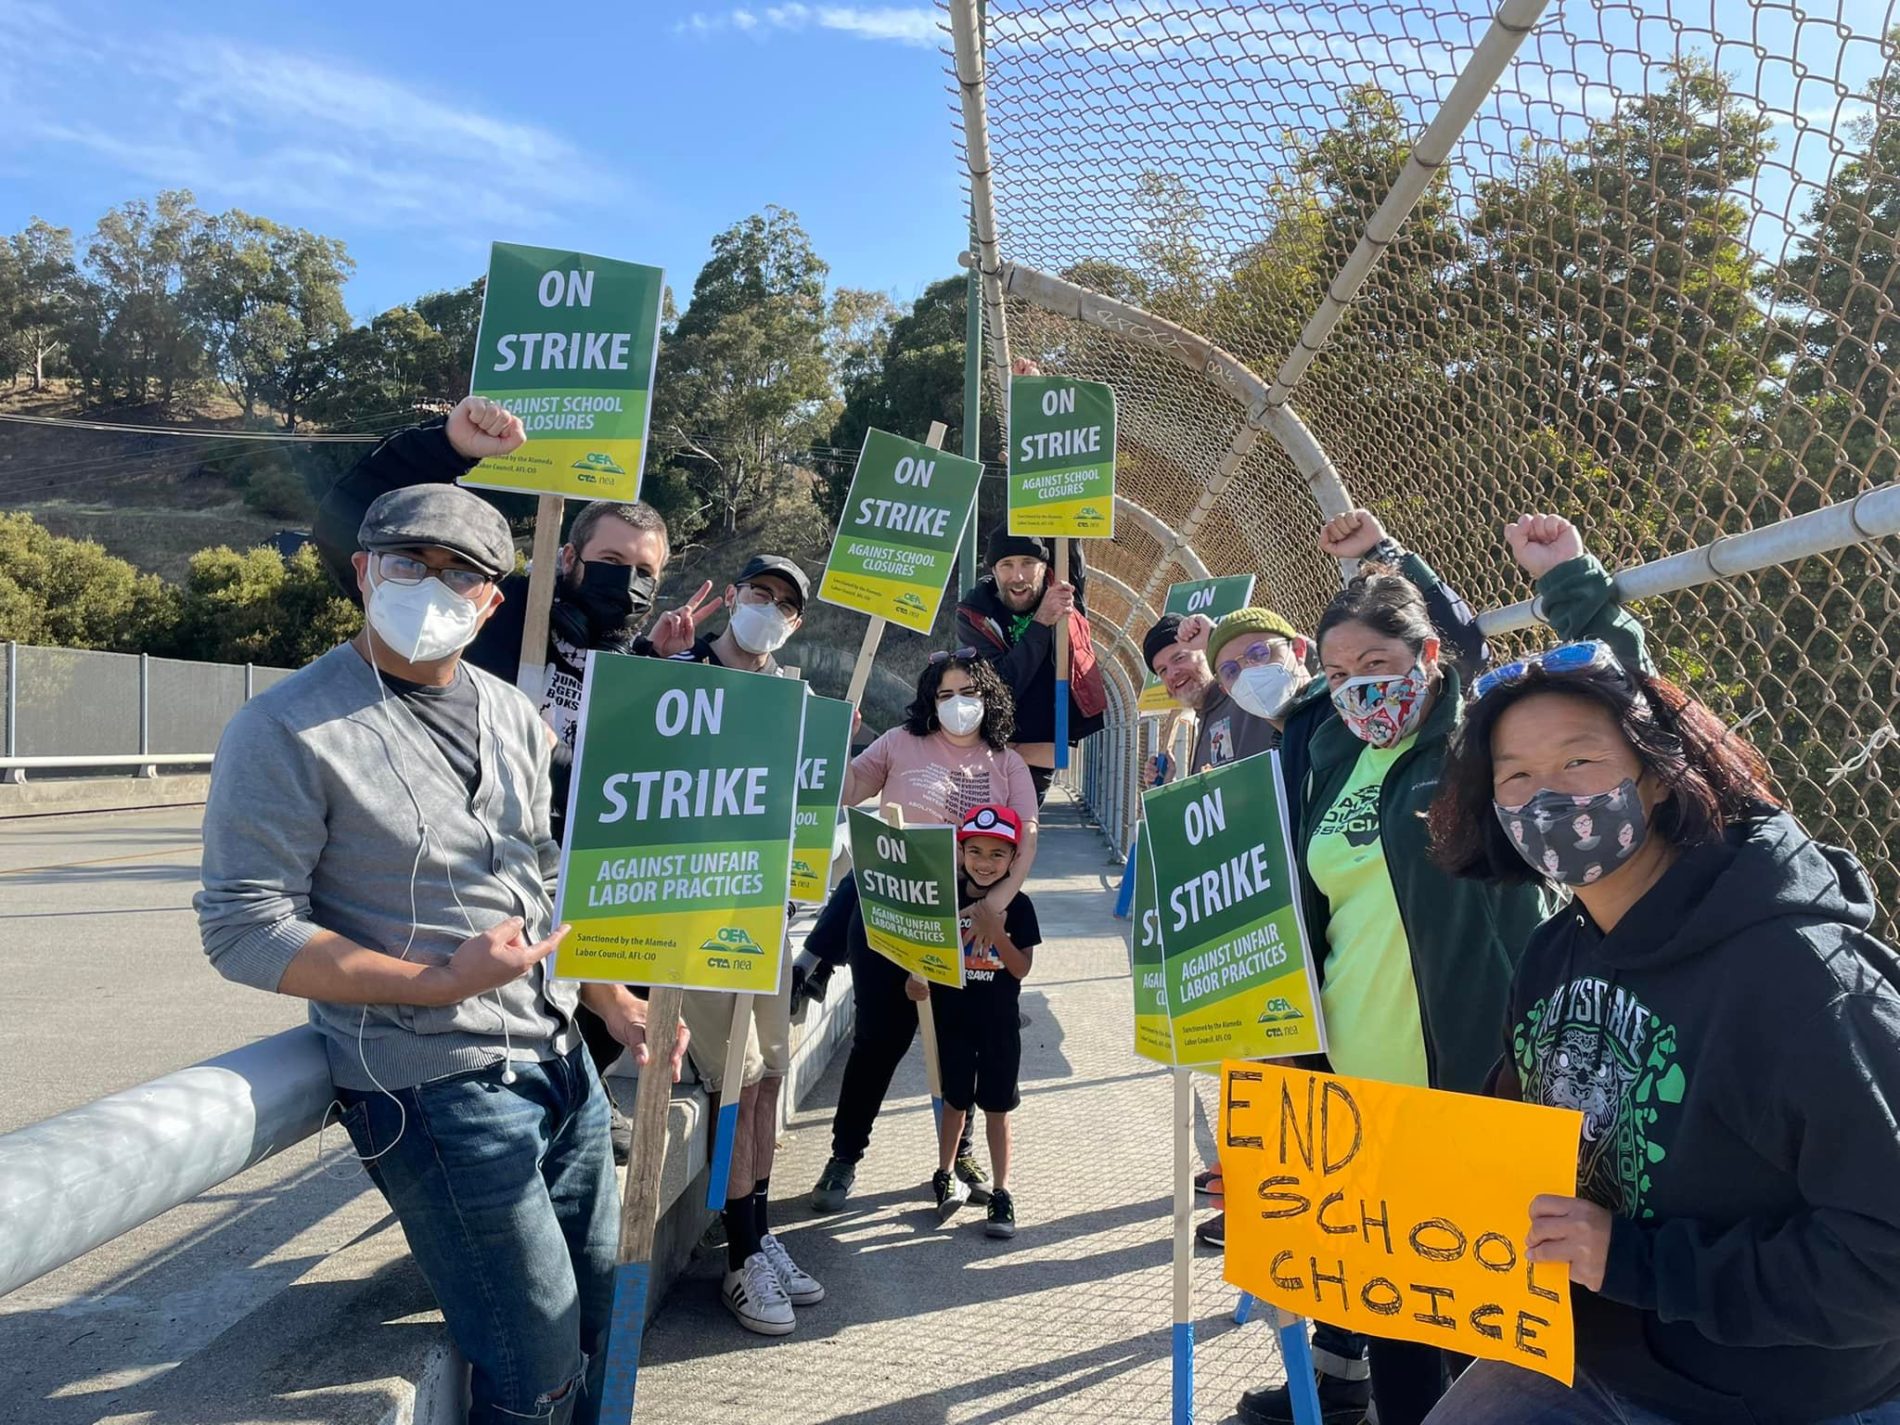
(506, 1194)
(1491, 1393)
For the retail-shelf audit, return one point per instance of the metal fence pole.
(150, 769)
(250, 681)
(13, 774)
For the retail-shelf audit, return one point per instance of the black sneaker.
(834, 1185)
(950, 1192)
(1213, 1232)
(1341, 1402)
(1001, 1221)
(1206, 1180)
(619, 1133)
(974, 1178)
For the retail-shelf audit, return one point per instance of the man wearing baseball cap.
(376, 842)
(979, 1028)
(765, 605)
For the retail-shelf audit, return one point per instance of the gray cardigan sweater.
(332, 808)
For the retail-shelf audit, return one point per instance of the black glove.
(811, 978)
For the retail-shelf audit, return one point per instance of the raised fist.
(1540, 543)
(1351, 535)
(479, 428)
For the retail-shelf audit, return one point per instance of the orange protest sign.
(1398, 1212)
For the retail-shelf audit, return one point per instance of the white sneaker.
(753, 1294)
(800, 1285)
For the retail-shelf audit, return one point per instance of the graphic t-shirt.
(986, 978)
(937, 782)
(1373, 1028)
(1228, 732)
(561, 689)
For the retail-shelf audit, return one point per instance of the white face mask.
(1265, 689)
(423, 622)
(760, 628)
(961, 715)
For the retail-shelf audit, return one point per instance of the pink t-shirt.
(936, 782)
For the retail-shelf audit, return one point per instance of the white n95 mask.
(422, 622)
(1266, 689)
(961, 715)
(760, 628)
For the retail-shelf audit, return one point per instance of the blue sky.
(633, 129)
(418, 133)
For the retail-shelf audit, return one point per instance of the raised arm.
(1358, 534)
(1576, 593)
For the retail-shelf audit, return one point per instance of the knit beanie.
(1002, 545)
(1162, 635)
(1245, 621)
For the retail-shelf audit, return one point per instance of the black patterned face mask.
(1577, 840)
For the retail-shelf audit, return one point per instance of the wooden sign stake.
(874, 631)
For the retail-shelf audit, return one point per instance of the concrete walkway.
(921, 1325)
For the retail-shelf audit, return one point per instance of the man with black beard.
(610, 567)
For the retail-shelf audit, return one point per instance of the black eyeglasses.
(962, 655)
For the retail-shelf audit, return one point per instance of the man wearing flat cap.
(376, 843)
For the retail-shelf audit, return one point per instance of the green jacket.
(1465, 936)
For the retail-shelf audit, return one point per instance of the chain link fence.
(70, 702)
(1651, 287)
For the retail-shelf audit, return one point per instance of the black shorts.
(979, 1052)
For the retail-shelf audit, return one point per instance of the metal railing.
(72, 709)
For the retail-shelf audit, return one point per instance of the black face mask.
(600, 608)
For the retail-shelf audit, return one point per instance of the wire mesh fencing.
(1652, 288)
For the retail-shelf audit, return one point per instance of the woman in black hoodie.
(1714, 1004)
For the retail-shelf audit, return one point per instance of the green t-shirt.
(1373, 1029)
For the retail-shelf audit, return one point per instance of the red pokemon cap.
(999, 822)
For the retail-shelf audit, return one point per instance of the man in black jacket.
(610, 567)
(1010, 618)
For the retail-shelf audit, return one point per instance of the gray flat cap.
(440, 517)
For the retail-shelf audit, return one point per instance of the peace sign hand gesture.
(674, 631)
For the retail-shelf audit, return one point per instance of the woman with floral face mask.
(1415, 965)
(1713, 1003)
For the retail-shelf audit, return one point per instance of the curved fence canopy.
(1636, 268)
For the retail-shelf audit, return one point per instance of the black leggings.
(886, 1021)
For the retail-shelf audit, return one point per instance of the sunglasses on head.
(962, 655)
(1590, 655)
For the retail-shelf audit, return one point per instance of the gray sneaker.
(974, 1178)
(834, 1186)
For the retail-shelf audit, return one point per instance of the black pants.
(1040, 778)
(602, 1047)
(1408, 1379)
(886, 1022)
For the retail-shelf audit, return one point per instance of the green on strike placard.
(1214, 597)
(907, 890)
(679, 825)
(899, 531)
(822, 758)
(1153, 1038)
(568, 342)
(1237, 975)
(1061, 457)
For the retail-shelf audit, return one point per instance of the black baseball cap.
(785, 569)
(440, 517)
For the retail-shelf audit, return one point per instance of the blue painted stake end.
(1302, 1386)
(1062, 725)
(1243, 1308)
(726, 1131)
(936, 1111)
(626, 1327)
(1184, 1373)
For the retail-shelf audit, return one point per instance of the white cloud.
(304, 136)
(901, 24)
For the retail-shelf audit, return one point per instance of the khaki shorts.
(708, 1016)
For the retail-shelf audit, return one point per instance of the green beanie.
(1244, 621)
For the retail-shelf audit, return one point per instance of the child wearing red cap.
(979, 1035)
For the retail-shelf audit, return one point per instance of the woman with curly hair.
(951, 755)
(1713, 1003)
